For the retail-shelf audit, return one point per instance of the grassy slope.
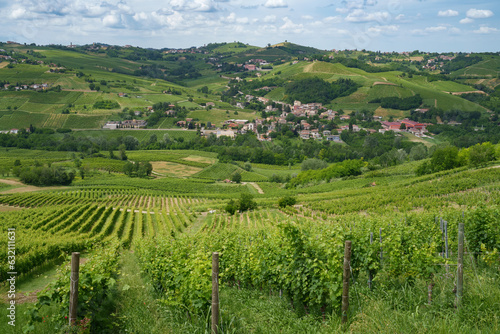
(34, 108)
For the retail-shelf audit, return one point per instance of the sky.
(377, 25)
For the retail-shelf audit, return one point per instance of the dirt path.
(256, 186)
(22, 188)
(77, 90)
(383, 83)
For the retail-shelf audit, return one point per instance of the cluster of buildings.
(437, 62)
(126, 124)
(37, 87)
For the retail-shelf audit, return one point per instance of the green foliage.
(140, 169)
(236, 177)
(313, 164)
(442, 159)
(318, 91)
(480, 154)
(483, 229)
(96, 279)
(46, 176)
(341, 169)
(106, 104)
(231, 207)
(246, 202)
(287, 201)
(405, 103)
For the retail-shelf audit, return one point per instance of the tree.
(286, 201)
(248, 166)
(480, 154)
(246, 202)
(402, 126)
(313, 164)
(231, 207)
(444, 159)
(236, 177)
(418, 152)
(128, 168)
(122, 154)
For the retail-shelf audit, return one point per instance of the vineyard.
(403, 229)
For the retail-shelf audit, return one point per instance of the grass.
(141, 135)
(218, 116)
(174, 169)
(21, 119)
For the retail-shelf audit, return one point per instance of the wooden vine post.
(346, 276)
(460, 266)
(370, 276)
(215, 292)
(73, 288)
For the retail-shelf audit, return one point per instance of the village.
(306, 121)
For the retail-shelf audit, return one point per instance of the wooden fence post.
(460, 266)
(73, 287)
(370, 276)
(345, 288)
(215, 292)
(381, 250)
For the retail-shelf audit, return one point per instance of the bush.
(231, 207)
(246, 202)
(313, 164)
(287, 201)
(236, 177)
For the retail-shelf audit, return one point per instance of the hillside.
(77, 78)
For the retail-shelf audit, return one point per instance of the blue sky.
(386, 25)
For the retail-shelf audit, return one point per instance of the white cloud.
(360, 15)
(436, 29)
(485, 30)
(18, 13)
(289, 26)
(383, 29)
(455, 31)
(270, 19)
(192, 5)
(448, 13)
(428, 30)
(307, 17)
(400, 17)
(332, 19)
(466, 20)
(112, 21)
(479, 13)
(275, 4)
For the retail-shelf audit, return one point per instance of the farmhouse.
(112, 125)
(227, 133)
(134, 124)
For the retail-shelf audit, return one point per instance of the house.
(122, 94)
(14, 131)
(249, 127)
(412, 124)
(250, 67)
(134, 124)
(181, 123)
(170, 112)
(227, 133)
(327, 133)
(334, 138)
(395, 126)
(137, 113)
(113, 125)
(263, 99)
(211, 104)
